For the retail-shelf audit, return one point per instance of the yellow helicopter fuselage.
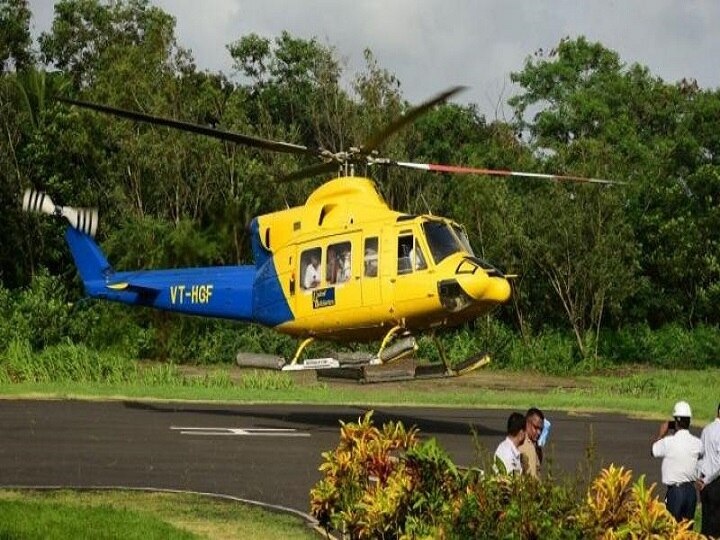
(351, 268)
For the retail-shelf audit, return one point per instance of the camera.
(671, 425)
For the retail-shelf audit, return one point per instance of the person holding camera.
(680, 452)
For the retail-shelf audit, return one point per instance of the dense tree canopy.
(587, 257)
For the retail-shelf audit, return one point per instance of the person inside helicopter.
(311, 279)
(333, 266)
(345, 266)
(371, 261)
(410, 255)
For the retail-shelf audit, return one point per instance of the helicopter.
(343, 267)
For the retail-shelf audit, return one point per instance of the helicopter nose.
(484, 288)
(482, 284)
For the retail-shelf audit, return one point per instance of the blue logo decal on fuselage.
(324, 298)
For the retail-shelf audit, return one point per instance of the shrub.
(40, 313)
(65, 362)
(366, 488)
(670, 346)
(614, 509)
(387, 484)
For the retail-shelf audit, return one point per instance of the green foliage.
(15, 40)
(263, 380)
(366, 489)
(670, 346)
(548, 352)
(499, 506)
(386, 484)
(41, 313)
(64, 362)
(615, 509)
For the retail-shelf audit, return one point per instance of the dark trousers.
(710, 498)
(681, 501)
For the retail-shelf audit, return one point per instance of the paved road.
(228, 450)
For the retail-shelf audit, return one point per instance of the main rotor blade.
(229, 136)
(410, 116)
(501, 172)
(307, 172)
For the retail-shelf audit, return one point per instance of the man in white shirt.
(680, 453)
(507, 451)
(708, 482)
(312, 274)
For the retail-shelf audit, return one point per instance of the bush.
(65, 362)
(670, 346)
(387, 484)
(548, 352)
(40, 313)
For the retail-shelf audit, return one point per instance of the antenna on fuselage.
(426, 203)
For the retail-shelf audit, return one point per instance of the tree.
(598, 115)
(15, 38)
(580, 239)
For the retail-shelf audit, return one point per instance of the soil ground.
(483, 378)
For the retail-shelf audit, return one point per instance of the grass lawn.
(641, 392)
(63, 514)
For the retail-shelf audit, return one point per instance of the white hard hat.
(682, 409)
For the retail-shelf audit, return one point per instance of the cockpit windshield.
(462, 236)
(442, 241)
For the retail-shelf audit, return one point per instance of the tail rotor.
(84, 220)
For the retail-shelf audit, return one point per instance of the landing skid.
(360, 367)
(395, 361)
(403, 370)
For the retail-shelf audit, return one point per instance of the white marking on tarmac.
(246, 432)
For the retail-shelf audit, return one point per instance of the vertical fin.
(89, 259)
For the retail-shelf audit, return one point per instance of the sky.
(431, 45)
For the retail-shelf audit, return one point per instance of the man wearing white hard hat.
(680, 452)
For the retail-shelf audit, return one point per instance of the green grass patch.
(68, 370)
(647, 393)
(143, 515)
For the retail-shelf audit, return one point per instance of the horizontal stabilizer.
(134, 286)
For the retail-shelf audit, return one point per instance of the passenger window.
(310, 276)
(371, 257)
(339, 262)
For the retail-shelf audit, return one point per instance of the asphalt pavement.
(265, 453)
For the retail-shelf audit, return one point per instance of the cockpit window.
(410, 255)
(462, 236)
(441, 240)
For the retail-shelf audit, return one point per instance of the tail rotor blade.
(453, 169)
(84, 220)
(37, 201)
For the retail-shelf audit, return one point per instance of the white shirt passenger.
(709, 468)
(680, 453)
(312, 277)
(509, 455)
